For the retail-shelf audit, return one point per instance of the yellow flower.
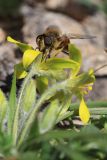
(84, 112)
(29, 56)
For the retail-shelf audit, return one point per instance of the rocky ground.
(71, 17)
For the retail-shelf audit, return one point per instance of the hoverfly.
(53, 41)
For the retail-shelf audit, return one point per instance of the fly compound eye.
(38, 39)
(48, 40)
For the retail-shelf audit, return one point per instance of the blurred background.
(25, 19)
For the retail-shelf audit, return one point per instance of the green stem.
(91, 104)
(98, 111)
(17, 113)
(48, 94)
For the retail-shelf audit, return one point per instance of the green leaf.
(58, 134)
(3, 107)
(59, 63)
(29, 155)
(49, 116)
(20, 72)
(6, 145)
(65, 104)
(72, 153)
(29, 96)
(42, 83)
(64, 113)
(22, 46)
(75, 53)
(54, 74)
(12, 104)
(90, 129)
(64, 116)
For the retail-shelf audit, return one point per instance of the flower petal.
(20, 72)
(22, 46)
(84, 112)
(29, 56)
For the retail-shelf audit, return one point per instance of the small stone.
(7, 60)
(2, 36)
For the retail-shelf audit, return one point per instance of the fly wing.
(78, 36)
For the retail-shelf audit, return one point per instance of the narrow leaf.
(29, 96)
(65, 104)
(64, 113)
(12, 104)
(3, 107)
(48, 119)
(64, 116)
